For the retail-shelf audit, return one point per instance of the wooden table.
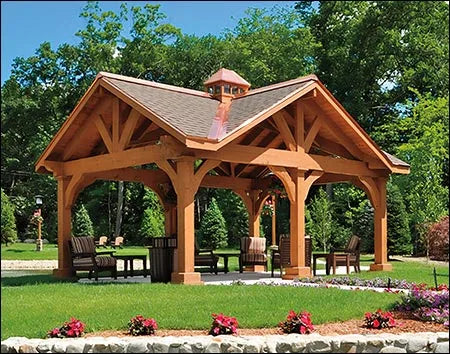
(225, 257)
(130, 259)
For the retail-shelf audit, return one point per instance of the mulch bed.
(407, 324)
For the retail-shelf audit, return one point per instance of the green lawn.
(30, 310)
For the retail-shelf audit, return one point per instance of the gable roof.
(191, 113)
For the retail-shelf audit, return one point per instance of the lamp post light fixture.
(37, 213)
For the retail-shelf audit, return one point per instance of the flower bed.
(426, 305)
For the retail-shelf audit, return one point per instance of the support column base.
(386, 267)
(63, 273)
(193, 278)
(254, 268)
(297, 272)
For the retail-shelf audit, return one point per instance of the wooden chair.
(205, 257)
(353, 249)
(118, 242)
(253, 252)
(282, 257)
(102, 242)
(84, 257)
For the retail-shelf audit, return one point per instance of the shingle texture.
(246, 107)
(190, 114)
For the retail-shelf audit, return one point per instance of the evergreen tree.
(320, 223)
(8, 221)
(82, 224)
(363, 226)
(213, 231)
(235, 214)
(152, 224)
(399, 236)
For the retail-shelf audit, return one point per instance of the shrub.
(152, 223)
(223, 325)
(379, 320)
(438, 240)
(8, 220)
(74, 328)
(297, 323)
(140, 326)
(82, 224)
(213, 232)
(399, 240)
(321, 222)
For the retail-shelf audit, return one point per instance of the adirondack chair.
(281, 258)
(118, 242)
(253, 252)
(102, 242)
(84, 257)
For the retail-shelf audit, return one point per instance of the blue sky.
(26, 24)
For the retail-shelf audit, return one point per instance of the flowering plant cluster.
(371, 283)
(297, 323)
(379, 319)
(223, 325)
(427, 305)
(74, 328)
(139, 326)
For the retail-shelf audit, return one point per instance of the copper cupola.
(225, 84)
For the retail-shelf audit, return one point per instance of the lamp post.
(37, 213)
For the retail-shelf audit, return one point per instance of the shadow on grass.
(33, 280)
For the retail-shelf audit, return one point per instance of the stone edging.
(294, 343)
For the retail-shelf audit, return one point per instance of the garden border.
(425, 342)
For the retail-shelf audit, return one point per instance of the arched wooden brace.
(297, 184)
(376, 191)
(186, 182)
(68, 190)
(254, 201)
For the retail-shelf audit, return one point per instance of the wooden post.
(253, 215)
(64, 231)
(297, 267)
(380, 228)
(274, 222)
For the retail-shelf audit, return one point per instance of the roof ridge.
(154, 84)
(279, 85)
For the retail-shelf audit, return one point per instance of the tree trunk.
(119, 208)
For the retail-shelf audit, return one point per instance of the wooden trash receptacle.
(161, 258)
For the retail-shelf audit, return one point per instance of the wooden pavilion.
(226, 137)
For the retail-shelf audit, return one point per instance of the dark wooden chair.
(84, 257)
(281, 258)
(253, 252)
(118, 242)
(204, 257)
(353, 249)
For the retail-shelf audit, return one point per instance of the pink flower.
(216, 330)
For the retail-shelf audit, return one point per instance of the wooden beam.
(317, 124)
(100, 124)
(115, 124)
(121, 159)
(276, 157)
(128, 129)
(87, 126)
(334, 178)
(285, 131)
(286, 179)
(300, 126)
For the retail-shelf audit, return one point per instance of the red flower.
(376, 324)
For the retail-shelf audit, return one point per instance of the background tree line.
(386, 62)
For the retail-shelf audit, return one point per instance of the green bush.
(213, 232)
(8, 221)
(152, 224)
(363, 226)
(399, 236)
(320, 221)
(81, 223)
